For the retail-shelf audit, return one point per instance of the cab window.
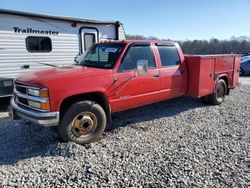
(136, 53)
(169, 55)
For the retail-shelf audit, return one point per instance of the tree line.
(212, 46)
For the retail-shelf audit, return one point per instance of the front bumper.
(46, 119)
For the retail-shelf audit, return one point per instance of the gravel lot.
(177, 143)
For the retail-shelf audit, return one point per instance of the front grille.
(22, 97)
(22, 100)
(20, 88)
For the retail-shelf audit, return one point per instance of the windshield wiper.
(48, 64)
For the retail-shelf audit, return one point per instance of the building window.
(89, 40)
(38, 44)
(169, 56)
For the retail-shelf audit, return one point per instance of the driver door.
(133, 90)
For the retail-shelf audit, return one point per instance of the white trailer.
(30, 41)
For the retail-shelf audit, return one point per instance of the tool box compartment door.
(200, 75)
(236, 72)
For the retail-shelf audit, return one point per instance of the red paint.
(127, 89)
(205, 70)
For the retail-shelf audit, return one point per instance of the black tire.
(83, 123)
(220, 92)
(241, 72)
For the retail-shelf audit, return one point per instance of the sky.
(164, 19)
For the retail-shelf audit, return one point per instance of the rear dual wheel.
(220, 93)
(84, 122)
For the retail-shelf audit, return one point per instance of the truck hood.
(43, 77)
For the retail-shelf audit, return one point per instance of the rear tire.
(220, 93)
(83, 123)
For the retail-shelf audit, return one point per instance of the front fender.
(58, 93)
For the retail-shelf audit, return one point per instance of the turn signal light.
(44, 94)
(45, 106)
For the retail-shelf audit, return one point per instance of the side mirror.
(142, 66)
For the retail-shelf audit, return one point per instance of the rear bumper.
(46, 119)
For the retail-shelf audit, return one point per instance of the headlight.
(40, 100)
(34, 92)
(39, 105)
(34, 104)
(38, 92)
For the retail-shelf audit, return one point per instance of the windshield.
(101, 55)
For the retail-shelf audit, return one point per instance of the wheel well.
(99, 98)
(227, 84)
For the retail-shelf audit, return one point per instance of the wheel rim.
(84, 124)
(220, 92)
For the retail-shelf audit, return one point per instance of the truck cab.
(111, 77)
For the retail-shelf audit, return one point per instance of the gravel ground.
(177, 143)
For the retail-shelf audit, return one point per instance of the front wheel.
(220, 93)
(84, 122)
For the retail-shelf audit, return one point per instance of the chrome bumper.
(46, 119)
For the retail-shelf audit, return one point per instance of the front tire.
(220, 93)
(83, 123)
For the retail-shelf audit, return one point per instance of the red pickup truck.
(116, 76)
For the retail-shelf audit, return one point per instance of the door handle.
(156, 75)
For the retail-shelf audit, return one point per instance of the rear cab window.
(169, 55)
(137, 52)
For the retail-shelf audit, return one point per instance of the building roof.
(63, 18)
